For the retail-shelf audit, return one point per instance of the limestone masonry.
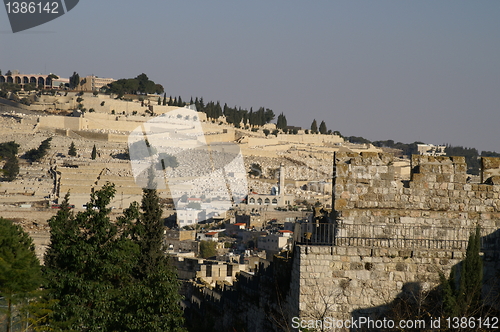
(394, 236)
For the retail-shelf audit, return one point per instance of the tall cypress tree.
(156, 288)
(72, 150)
(314, 127)
(464, 299)
(322, 128)
(93, 155)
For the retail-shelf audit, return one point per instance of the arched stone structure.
(37, 80)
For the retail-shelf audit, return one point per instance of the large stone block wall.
(351, 278)
(438, 193)
(395, 236)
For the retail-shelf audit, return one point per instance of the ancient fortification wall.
(393, 237)
(438, 193)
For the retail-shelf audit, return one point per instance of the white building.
(431, 150)
(188, 217)
(276, 242)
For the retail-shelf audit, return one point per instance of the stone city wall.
(394, 236)
(346, 279)
(438, 193)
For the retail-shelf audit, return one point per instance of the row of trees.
(234, 115)
(322, 128)
(99, 274)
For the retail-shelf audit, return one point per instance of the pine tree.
(87, 265)
(40, 152)
(72, 150)
(111, 276)
(314, 127)
(322, 128)
(20, 271)
(93, 155)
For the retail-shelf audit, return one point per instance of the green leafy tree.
(111, 276)
(208, 249)
(11, 168)
(74, 80)
(20, 271)
(93, 155)
(87, 265)
(72, 150)
(8, 152)
(268, 115)
(8, 149)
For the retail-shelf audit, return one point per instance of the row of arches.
(21, 80)
(260, 201)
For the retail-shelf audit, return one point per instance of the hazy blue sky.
(401, 70)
